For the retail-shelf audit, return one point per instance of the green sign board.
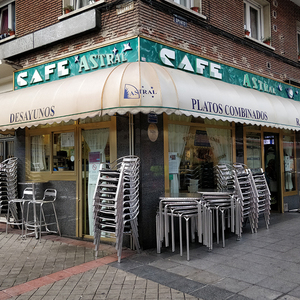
(96, 59)
(158, 53)
(128, 51)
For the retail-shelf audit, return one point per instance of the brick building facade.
(213, 31)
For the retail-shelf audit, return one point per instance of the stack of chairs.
(216, 207)
(116, 202)
(245, 192)
(204, 214)
(8, 187)
(262, 196)
(224, 177)
(183, 208)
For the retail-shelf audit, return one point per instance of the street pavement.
(263, 265)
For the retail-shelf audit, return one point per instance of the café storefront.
(181, 113)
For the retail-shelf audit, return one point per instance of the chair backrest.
(28, 193)
(50, 195)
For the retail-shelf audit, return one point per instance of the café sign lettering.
(96, 59)
(228, 110)
(174, 58)
(142, 49)
(31, 115)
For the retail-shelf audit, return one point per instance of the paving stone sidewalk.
(264, 265)
(22, 260)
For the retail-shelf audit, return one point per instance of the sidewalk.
(265, 265)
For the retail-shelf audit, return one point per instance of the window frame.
(190, 5)
(76, 4)
(75, 127)
(294, 154)
(264, 26)
(201, 126)
(10, 7)
(247, 18)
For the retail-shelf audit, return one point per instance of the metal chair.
(49, 198)
(116, 202)
(12, 211)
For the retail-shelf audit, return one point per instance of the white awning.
(144, 87)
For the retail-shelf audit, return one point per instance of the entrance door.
(272, 168)
(95, 150)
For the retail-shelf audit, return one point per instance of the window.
(257, 19)
(289, 163)
(253, 140)
(192, 4)
(7, 18)
(63, 151)
(193, 151)
(40, 152)
(76, 4)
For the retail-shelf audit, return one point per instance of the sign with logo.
(163, 55)
(100, 58)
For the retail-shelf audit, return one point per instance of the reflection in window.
(63, 151)
(289, 164)
(253, 141)
(193, 153)
(40, 152)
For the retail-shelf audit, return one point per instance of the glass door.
(272, 168)
(95, 150)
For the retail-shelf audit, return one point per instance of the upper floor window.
(76, 4)
(257, 19)
(191, 4)
(7, 17)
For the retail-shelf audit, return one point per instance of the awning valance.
(144, 87)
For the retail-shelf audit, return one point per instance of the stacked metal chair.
(244, 191)
(250, 189)
(116, 202)
(262, 197)
(8, 189)
(185, 209)
(204, 214)
(224, 177)
(216, 207)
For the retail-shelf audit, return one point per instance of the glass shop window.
(253, 141)
(63, 151)
(193, 153)
(40, 153)
(289, 163)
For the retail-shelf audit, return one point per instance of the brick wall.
(220, 37)
(231, 47)
(32, 15)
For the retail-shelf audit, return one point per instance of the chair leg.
(180, 233)
(187, 239)
(44, 219)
